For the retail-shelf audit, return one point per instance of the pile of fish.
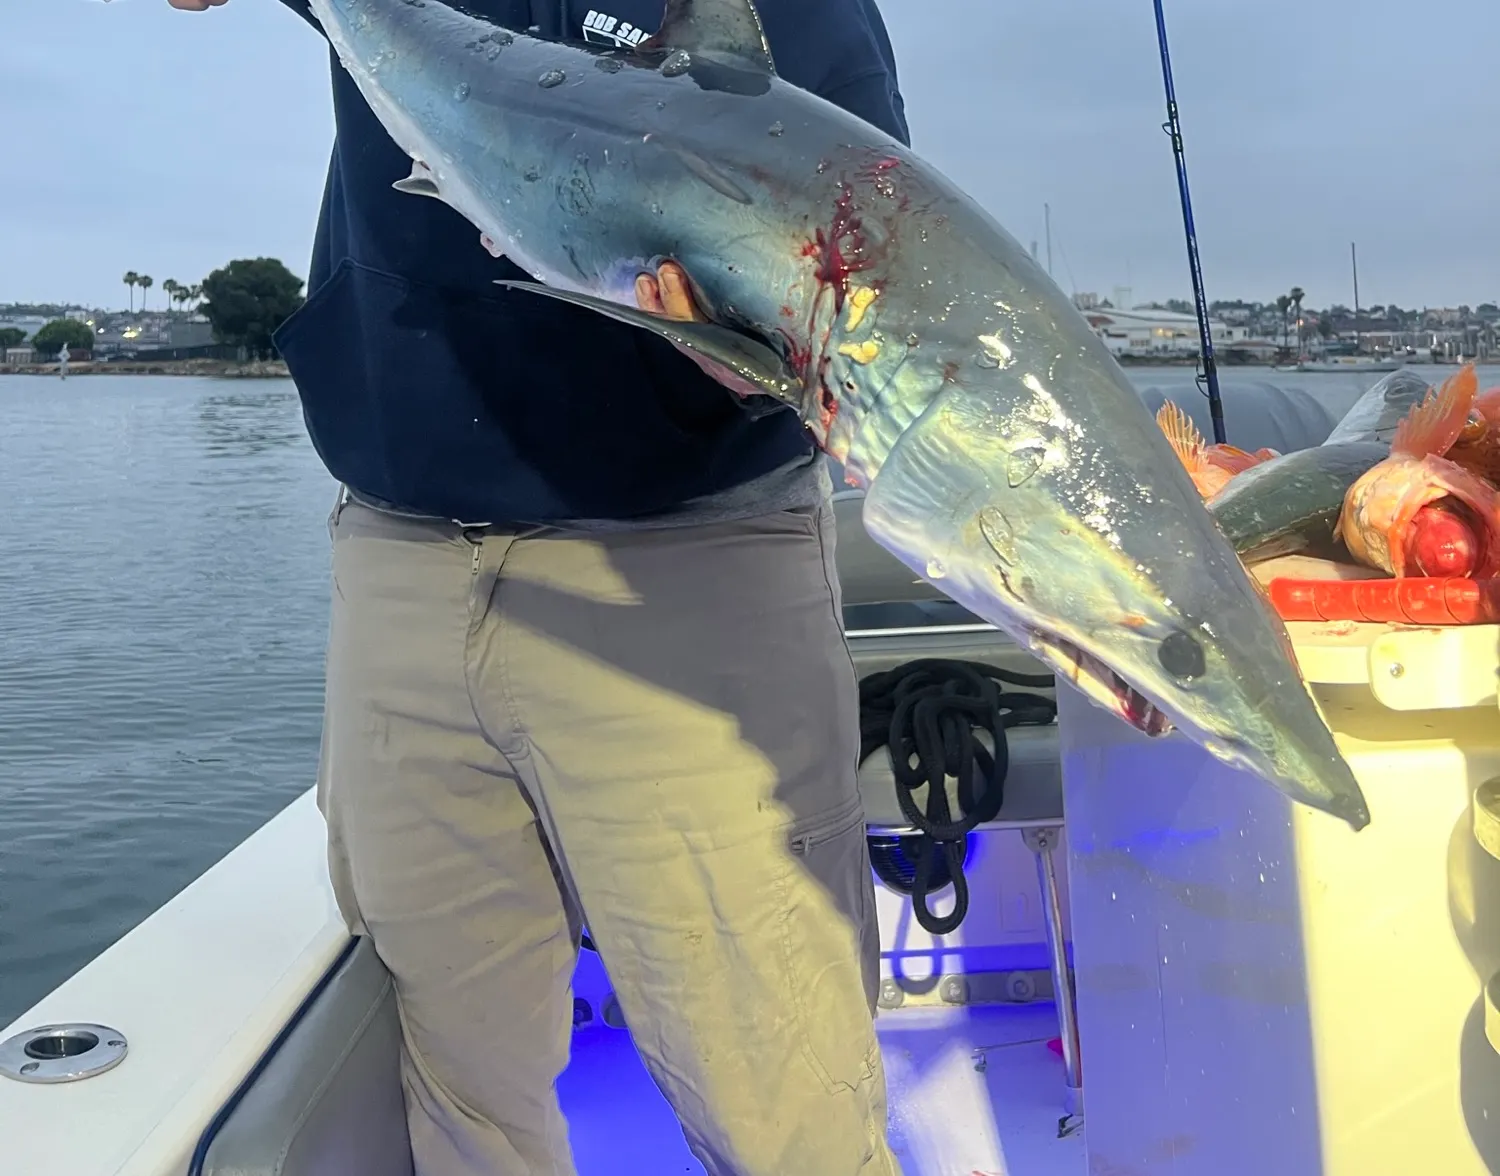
(1005, 456)
(1416, 499)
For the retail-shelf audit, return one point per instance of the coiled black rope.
(928, 713)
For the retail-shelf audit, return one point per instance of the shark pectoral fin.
(747, 358)
(729, 27)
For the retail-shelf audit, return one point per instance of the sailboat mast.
(1047, 212)
(1354, 263)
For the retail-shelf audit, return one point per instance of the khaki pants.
(653, 733)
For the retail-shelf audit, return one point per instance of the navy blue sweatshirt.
(427, 387)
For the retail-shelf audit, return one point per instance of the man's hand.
(195, 5)
(668, 294)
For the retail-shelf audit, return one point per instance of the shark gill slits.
(553, 77)
(1181, 656)
(677, 64)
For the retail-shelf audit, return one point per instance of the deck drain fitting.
(62, 1053)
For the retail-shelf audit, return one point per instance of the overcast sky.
(138, 137)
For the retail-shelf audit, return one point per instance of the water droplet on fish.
(532, 174)
(677, 64)
(912, 340)
(777, 129)
(656, 209)
(935, 570)
(609, 64)
(553, 77)
(461, 92)
(822, 166)
(924, 234)
(661, 106)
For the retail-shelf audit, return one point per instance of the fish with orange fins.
(1420, 513)
(1210, 466)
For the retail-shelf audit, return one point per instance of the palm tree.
(171, 287)
(130, 279)
(195, 294)
(145, 283)
(1296, 296)
(1282, 303)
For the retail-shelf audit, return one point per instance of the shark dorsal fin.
(728, 27)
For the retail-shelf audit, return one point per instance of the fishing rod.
(1210, 373)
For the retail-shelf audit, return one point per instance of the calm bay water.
(163, 572)
(163, 611)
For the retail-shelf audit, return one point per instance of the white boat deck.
(202, 988)
(973, 1092)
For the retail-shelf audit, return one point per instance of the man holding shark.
(586, 667)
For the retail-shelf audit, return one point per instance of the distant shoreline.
(228, 369)
(276, 369)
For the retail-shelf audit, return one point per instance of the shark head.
(1084, 539)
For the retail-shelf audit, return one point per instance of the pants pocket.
(831, 945)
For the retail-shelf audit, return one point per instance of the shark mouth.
(1102, 684)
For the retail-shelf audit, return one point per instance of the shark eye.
(1181, 656)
